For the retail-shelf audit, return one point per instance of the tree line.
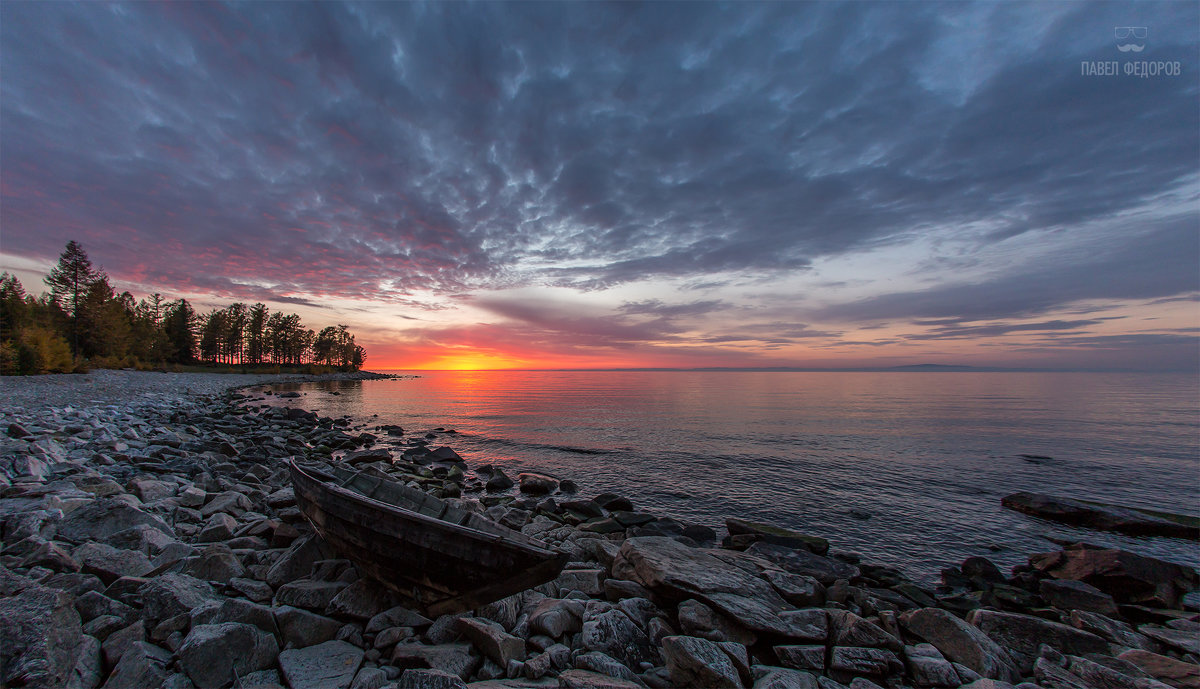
(83, 322)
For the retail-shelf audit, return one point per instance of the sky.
(594, 185)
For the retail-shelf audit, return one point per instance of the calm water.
(927, 455)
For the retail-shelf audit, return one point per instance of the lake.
(904, 468)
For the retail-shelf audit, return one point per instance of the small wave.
(508, 442)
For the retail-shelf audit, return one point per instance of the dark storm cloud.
(384, 148)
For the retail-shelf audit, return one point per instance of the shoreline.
(152, 533)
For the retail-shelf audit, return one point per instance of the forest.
(82, 323)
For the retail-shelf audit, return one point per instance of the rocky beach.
(151, 538)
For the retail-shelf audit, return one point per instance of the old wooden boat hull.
(437, 558)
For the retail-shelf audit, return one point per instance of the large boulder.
(173, 594)
(961, 643)
(770, 533)
(331, 665)
(301, 628)
(101, 518)
(492, 641)
(111, 563)
(695, 662)
(1023, 636)
(537, 484)
(298, 560)
(1127, 577)
(722, 579)
(1105, 517)
(1165, 669)
(800, 561)
(455, 659)
(40, 632)
(141, 665)
(362, 600)
(211, 654)
(615, 635)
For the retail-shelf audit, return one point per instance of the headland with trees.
(82, 322)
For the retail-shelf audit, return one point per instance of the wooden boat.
(438, 558)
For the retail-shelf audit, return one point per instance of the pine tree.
(69, 282)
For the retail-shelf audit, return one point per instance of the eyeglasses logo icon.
(1129, 38)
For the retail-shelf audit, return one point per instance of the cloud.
(406, 152)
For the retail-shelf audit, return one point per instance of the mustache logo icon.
(1124, 34)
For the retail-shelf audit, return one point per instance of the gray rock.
(298, 561)
(219, 527)
(115, 645)
(640, 610)
(89, 665)
(589, 581)
(555, 658)
(230, 502)
(369, 678)
(398, 616)
(492, 641)
(987, 684)
(1096, 675)
(1051, 675)
(141, 537)
(257, 591)
(424, 678)
(111, 563)
(212, 653)
(361, 600)
(444, 629)
(603, 664)
(1023, 635)
(554, 617)
(1110, 629)
(614, 634)
(799, 590)
(329, 665)
(698, 619)
(305, 593)
(1067, 594)
(142, 665)
(94, 604)
(928, 668)
(39, 633)
(586, 679)
(848, 629)
(101, 518)
(536, 484)
(173, 594)
(215, 563)
(800, 561)
(1164, 669)
(783, 678)
(1182, 640)
(52, 556)
(104, 625)
(801, 657)
(618, 589)
(149, 490)
(235, 610)
(960, 642)
(453, 658)
(301, 628)
(852, 660)
(696, 662)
